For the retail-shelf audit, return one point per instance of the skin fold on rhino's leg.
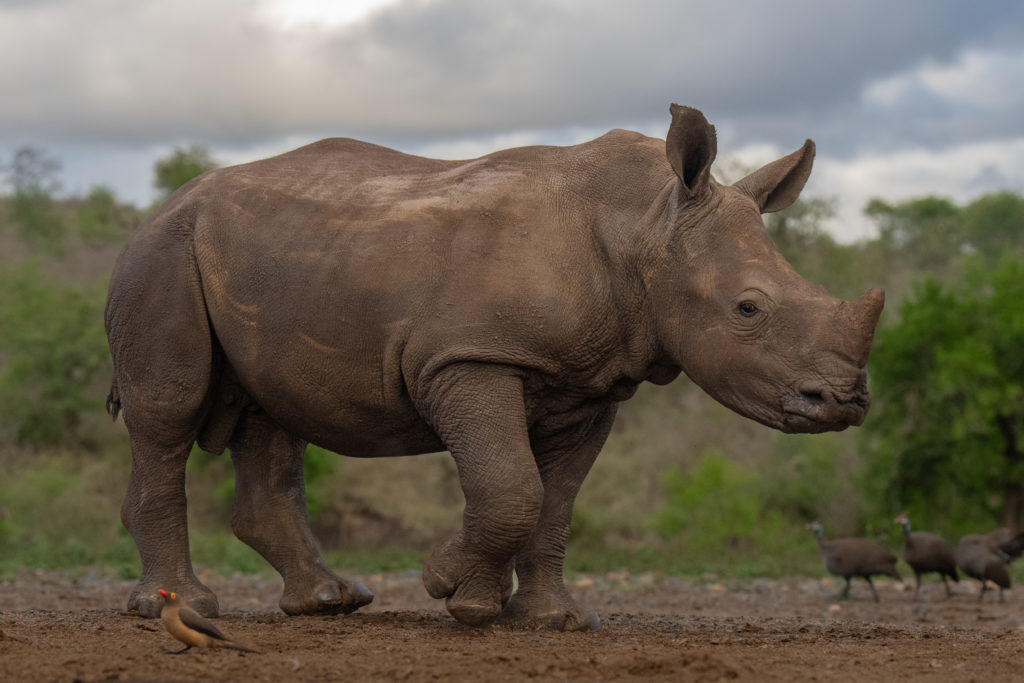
(542, 600)
(269, 515)
(478, 411)
(154, 512)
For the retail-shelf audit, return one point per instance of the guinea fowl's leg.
(872, 585)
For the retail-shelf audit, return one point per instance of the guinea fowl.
(849, 557)
(1006, 543)
(980, 559)
(925, 553)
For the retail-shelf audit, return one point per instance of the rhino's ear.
(691, 147)
(777, 185)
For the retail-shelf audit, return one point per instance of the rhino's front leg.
(478, 411)
(564, 459)
(270, 516)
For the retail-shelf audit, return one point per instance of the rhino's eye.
(748, 309)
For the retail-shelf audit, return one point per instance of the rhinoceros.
(381, 304)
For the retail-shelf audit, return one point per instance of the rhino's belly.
(367, 437)
(350, 424)
(347, 396)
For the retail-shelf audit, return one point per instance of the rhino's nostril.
(812, 396)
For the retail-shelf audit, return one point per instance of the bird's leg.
(872, 585)
(845, 593)
(178, 652)
(917, 587)
(945, 582)
(984, 587)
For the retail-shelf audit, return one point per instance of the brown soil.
(655, 629)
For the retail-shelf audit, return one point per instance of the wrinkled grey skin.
(381, 304)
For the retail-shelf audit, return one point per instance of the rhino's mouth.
(812, 409)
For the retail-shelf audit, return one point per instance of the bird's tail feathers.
(231, 645)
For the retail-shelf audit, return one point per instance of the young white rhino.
(379, 304)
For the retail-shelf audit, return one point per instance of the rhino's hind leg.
(154, 513)
(269, 515)
(161, 348)
(479, 413)
(542, 600)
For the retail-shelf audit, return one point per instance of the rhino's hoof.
(437, 586)
(556, 615)
(554, 621)
(332, 597)
(473, 614)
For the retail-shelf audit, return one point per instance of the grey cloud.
(201, 71)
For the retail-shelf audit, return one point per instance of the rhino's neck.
(633, 248)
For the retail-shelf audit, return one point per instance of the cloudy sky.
(904, 98)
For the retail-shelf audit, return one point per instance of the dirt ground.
(655, 628)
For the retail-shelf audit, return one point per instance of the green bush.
(728, 518)
(53, 347)
(714, 504)
(62, 513)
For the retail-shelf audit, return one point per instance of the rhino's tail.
(113, 401)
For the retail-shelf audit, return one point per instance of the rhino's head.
(734, 315)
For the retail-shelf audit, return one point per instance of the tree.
(845, 270)
(993, 224)
(949, 382)
(32, 175)
(184, 164)
(926, 232)
(100, 219)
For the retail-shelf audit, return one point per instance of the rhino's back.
(352, 174)
(356, 225)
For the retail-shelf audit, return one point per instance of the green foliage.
(317, 466)
(950, 378)
(925, 230)
(184, 164)
(714, 503)
(35, 216)
(100, 219)
(53, 346)
(845, 270)
(212, 476)
(60, 512)
(726, 516)
(377, 560)
(994, 224)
